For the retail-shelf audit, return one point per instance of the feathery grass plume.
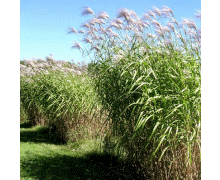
(146, 16)
(87, 40)
(113, 34)
(114, 24)
(166, 11)
(90, 33)
(85, 25)
(165, 29)
(89, 27)
(87, 10)
(151, 13)
(168, 42)
(133, 14)
(136, 21)
(72, 30)
(157, 11)
(128, 27)
(109, 30)
(144, 24)
(103, 15)
(102, 30)
(171, 26)
(189, 22)
(95, 47)
(191, 32)
(76, 45)
(136, 30)
(155, 23)
(173, 20)
(123, 13)
(159, 32)
(81, 31)
(102, 21)
(140, 29)
(93, 29)
(94, 21)
(118, 21)
(94, 37)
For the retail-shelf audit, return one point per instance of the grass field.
(138, 99)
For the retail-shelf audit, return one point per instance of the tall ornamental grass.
(146, 71)
(60, 97)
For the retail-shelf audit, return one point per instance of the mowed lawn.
(43, 158)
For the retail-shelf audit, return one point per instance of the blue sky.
(44, 23)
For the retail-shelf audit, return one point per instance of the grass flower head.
(87, 10)
(72, 30)
(76, 45)
(103, 15)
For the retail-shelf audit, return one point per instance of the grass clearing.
(43, 158)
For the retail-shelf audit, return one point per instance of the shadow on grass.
(91, 166)
(25, 124)
(41, 135)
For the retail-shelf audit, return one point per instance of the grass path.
(42, 158)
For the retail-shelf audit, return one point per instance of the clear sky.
(44, 23)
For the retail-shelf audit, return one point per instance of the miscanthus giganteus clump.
(58, 94)
(146, 71)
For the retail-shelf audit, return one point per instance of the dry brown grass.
(174, 165)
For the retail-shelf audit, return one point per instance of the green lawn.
(43, 158)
